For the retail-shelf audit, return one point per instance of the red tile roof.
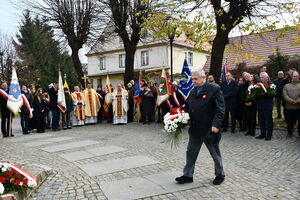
(255, 49)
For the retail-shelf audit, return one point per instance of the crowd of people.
(89, 106)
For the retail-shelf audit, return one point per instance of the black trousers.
(40, 124)
(278, 101)
(147, 116)
(130, 110)
(265, 122)
(99, 116)
(5, 125)
(232, 116)
(292, 117)
(250, 112)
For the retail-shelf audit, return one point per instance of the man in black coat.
(101, 99)
(265, 109)
(53, 93)
(279, 89)
(206, 108)
(230, 92)
(5, 112)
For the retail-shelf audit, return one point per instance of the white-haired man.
(265, 109)
(206, 108)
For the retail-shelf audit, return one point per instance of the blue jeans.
(265, 122)
(55, 118)
(24, 121)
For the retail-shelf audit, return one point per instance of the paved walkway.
(133, 161)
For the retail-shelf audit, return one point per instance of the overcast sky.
(10, 19)
(11, 15)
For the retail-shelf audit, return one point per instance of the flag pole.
(10, 122)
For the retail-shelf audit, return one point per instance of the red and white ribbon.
(32, 181)
(175, 99)
(4, 94)
(262, 87)
(26, 103)
(6, 196)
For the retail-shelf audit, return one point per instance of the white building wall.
(199, 59)
(157, 58)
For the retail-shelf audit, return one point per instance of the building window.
(145, 58)
(122, 61)
(102, 63)
(189, 57)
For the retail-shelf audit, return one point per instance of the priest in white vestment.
(120, 105)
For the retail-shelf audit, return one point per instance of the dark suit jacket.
(206, 110)
(230, 92)
(53, 98)
(4, 110)
(265, 102)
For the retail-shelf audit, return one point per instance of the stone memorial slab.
(105, 150)
(47, 141)
(142, 187)
(67, 146)
(29, 137)
(77, 155)
(115, 165)
(90, 153)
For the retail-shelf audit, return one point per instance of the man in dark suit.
(5, 112)
(53, 107)
(101, 99)
(230, 91)
(265, 109)
(206, 108)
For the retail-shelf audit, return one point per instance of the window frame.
(120, 60)
(100, 63)
(190, 55)
(146, 52)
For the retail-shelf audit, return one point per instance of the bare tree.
(79, 21)
(128, 17)
(7, 55)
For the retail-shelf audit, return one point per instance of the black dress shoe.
(218, 181)
(5, 136)
(144, 122)
(268, 138)
(184, 179)
(260, 137)
(233, 131)
(248, 133)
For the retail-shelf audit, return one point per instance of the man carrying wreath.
(206, 108)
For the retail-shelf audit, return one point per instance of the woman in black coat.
(250, 109)
(39, 110)
(147, 104)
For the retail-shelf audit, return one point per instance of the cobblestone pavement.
(255, 169)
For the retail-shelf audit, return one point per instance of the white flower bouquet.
(175, 122)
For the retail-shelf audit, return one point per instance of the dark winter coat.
(230, 92)
(148, 102)
(265, 102)
(206, 109)
(39, 108)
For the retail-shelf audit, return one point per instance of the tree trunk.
(217, 54)
(129, 64)
(77, 66)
